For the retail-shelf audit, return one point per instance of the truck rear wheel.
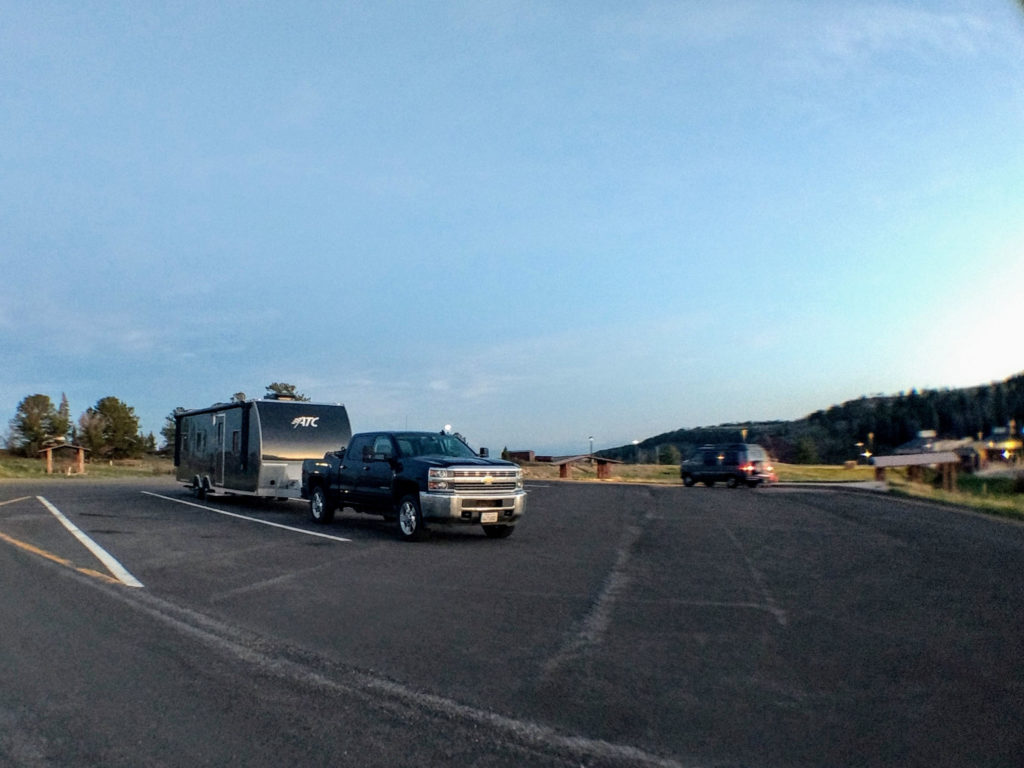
(320, 508)
(410, 519)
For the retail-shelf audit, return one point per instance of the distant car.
(734, 464)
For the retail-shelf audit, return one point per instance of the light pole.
(591, 439)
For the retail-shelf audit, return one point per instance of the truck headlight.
(437, 479)
(519, 480)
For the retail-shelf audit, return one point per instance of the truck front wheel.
(410, 519)
(320, 509)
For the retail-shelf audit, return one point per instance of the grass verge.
(668, 474)
(15, 467)
(990, 495)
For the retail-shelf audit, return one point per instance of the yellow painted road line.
(119, 571)
(59, 560)
(250, 519)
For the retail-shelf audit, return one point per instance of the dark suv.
(733, 463)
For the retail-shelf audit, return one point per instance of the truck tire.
(688, 481)
(410, 519)
(320, 509)
(498, 531)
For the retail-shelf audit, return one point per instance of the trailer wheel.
(410, 519)
(198, 488)
(320, 508)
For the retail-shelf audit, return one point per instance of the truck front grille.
(477, 481)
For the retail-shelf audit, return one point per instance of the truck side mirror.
(484, 453)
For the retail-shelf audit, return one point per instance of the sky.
(538, 222)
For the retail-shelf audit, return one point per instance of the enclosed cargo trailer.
(255, 447)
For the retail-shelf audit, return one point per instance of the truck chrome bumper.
(453, 508)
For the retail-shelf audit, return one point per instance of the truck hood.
(475, 461)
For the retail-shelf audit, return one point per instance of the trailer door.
(221, 449)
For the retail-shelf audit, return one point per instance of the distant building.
(927, 442)
(1004, 444)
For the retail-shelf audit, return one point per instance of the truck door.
(350, 470)
(377, 474)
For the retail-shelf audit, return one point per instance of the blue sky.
(534, 221)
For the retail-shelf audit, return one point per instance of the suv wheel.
(688, 481)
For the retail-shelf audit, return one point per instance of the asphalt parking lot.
(620, 625)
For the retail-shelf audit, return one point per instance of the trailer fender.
(200, 486)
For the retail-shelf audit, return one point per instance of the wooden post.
(81, 460)
(49, 460)
(563, 471)
(949, 477)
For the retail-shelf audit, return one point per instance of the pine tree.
(32, 424)
(60, 425)
(284, 391)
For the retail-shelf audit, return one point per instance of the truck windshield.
(432, 444)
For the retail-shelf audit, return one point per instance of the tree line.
(108, 430)
(877, 424)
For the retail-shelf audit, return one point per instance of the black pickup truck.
(416, 478)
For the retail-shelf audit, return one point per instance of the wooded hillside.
(842, 432)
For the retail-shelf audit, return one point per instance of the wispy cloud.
(861, 31)
(786, 33)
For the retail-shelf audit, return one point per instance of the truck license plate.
(488, 517)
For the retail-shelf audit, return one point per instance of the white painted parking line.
(119, 571)
(246, 517)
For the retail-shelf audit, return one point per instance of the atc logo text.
(305, 421)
